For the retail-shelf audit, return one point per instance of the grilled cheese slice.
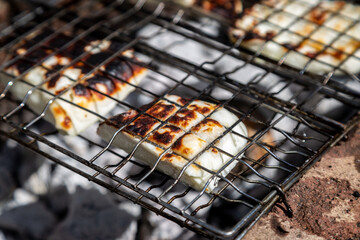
(185, 137)
(303, 30)
(86, 93)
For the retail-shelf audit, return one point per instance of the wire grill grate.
(291, 113)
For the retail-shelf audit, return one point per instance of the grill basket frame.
(126, 25)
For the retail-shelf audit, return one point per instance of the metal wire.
(296, 147)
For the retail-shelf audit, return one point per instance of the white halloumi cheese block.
(202, 107)
(186, 119)
(208, 129)
(77, 97)
(234, 139)
(320, 41)
(203, 151)
(21, 89)
(189, 145)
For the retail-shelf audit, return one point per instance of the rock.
(32, 221)
(92, 215)
(324, 201)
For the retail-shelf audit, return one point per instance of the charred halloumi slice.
(88, 95)
(319, 35)
(186, 136)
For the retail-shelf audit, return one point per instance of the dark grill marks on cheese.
(52, 82)
(166, 135)
(314, 45)
(183, 118)
(22, 66)
(122, 119)
(208, 124)
(84, 68)
(205, 108)
(54, 66)
(67, 123)
(161, 111)
(38, 55)
(117, 67)
(319, 15)
(102, 83)
(202, 110)
(180, 101)
(337, 54)
(177, 146)
(81, 91)
(186, 133)
(120, 69)
(321, 21)
(289, 46)
(169, 156)
(184, 101)
(142, 125)
(257, 35)
(189, 145)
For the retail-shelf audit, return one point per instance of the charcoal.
(20, 162)
(57, 200)
(32, 221)
(92, 215)
(8, 157)
(7, 184)
(29, 163)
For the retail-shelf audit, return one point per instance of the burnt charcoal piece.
(17, 165)
(7, 184)
(32, 221)
(92, 216)
(57, 200)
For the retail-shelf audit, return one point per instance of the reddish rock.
(325, 201)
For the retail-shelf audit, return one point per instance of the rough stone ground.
(325, 201)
